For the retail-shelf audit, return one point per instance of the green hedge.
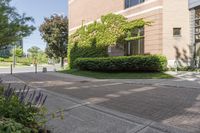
(139, 63)
(75, 51)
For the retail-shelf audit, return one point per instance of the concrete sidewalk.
(84, 117)
(80, 117)
(181, 80)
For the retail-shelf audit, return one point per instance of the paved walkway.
(181, 80)
(91, 110)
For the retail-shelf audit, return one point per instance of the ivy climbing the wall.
(93, 40)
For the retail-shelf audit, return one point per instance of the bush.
(10, 126)
(1, 59)
(24, 108)
(138, 63)
(75, 51)
(1, 89)
(6, 59)
(24, 61)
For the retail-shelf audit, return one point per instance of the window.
(135, 47)
(130, 3)
(197, 24)
(177, 31)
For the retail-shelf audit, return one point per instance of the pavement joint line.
(167, 131)
(134, 130)
(162, 85)
(160, 129)
(71, 108)
(30, 90)
(11, 82)
(145, 126)
(66, 97)
(95, 86)
(137, 130)
(115, 114)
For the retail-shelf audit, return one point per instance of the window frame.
(180, 31)
(197, 27)
(135, 47)
(129, 3)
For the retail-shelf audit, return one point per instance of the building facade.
(173, 32)
(194, 7)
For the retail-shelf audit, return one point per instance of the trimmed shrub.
(138, 63)
(75, 51)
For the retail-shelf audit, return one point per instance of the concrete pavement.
(181, 80)
(104, 106)
(84, 117)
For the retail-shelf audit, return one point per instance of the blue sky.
(39, 9)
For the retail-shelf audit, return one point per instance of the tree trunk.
(62, 62)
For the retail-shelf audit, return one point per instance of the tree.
(34, 51)
(13, 26)
(18, 52)
(54, 32)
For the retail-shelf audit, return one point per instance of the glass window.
(130, 3)
(197, 24)
(135, 47)
(176, 31)
(197, 13)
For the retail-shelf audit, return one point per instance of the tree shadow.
(182, 58)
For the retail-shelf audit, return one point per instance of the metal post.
(35, 67)
(11, 69)
(14, 56)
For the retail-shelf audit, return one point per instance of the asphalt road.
(179, 107)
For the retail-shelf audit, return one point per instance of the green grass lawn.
(119, 75)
